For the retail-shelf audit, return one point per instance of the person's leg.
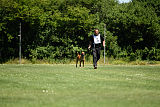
(94, 58)
(97, 50)
(98, 53)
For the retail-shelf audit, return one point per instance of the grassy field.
(67, 86)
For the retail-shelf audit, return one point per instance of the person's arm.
(90, 43)
(104, 43)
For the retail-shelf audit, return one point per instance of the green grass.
(67, 86)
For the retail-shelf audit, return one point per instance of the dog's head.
(82, 53)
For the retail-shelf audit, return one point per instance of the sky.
(124, 1)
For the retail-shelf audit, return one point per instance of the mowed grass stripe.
(67, 86)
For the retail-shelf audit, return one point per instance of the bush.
(154, 54)
(139, 54)
(132, 56)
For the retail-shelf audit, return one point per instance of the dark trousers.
(96, 56)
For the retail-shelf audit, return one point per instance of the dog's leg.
(76, 62)
(83, 63)
(80, 63)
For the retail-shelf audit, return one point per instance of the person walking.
(95, 42)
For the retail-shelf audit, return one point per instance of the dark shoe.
(95, 67)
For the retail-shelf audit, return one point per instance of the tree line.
(56, 29)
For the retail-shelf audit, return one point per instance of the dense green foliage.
(56, 29)
(65, 86)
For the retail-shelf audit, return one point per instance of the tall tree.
(135, 25)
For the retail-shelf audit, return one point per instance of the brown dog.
(80, 58)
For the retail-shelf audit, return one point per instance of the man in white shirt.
(96, 40)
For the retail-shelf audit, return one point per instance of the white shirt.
(97, 39)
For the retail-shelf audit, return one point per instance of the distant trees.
(137, 28)
(56, 29)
